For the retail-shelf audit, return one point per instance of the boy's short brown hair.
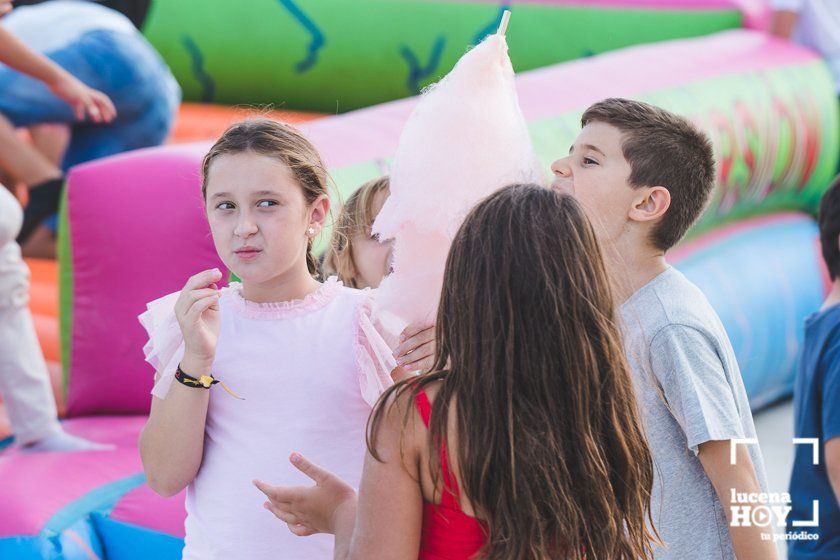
(829, 221)
(663, 149)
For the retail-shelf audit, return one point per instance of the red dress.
(448, 533)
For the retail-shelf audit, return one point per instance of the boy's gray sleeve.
(695, 385)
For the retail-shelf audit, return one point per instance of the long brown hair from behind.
(551, 453)
(281, 141)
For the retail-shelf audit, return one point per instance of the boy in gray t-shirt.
(644, 175)
(690, 390)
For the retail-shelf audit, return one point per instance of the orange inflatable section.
(197, 121)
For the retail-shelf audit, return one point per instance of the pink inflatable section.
(143, 508)
(756, 12)
(35, 495)
(138, 232)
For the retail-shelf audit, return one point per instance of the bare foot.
(61, 441)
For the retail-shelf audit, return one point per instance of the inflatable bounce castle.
(133, 226)
(326, 56)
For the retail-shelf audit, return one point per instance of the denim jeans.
(123, 66)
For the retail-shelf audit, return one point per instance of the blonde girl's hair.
(356, 218)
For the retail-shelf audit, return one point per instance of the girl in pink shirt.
(299, 362)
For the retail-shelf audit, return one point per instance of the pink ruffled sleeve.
(374, 357)
(165, 347)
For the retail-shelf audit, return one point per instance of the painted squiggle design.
(417, 72)
(208, 85)
(318, 39)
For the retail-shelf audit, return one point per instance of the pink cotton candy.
(465, 139)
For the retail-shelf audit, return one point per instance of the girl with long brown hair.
(523, 441)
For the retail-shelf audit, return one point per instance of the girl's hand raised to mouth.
(197, 311)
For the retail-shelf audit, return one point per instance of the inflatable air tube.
(202, 121)
(143, 525)
(763, 276)
(334, 56)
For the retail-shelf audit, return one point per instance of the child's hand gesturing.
(309, 510)
(197, 311)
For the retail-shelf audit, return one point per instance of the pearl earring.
(311, 232)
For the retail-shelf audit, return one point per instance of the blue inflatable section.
(763, 278)
(125, 541)
(71, 534)
(78, 541)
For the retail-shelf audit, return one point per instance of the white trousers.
(24, 379)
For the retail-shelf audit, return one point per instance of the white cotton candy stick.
(504, 23)
(465, 139)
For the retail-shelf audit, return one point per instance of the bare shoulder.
(401, 423)
(432, 390)
(404, 399)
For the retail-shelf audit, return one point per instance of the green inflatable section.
(776, 143)
(338, 55)
(65, 283)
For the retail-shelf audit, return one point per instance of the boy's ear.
(650, 204)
